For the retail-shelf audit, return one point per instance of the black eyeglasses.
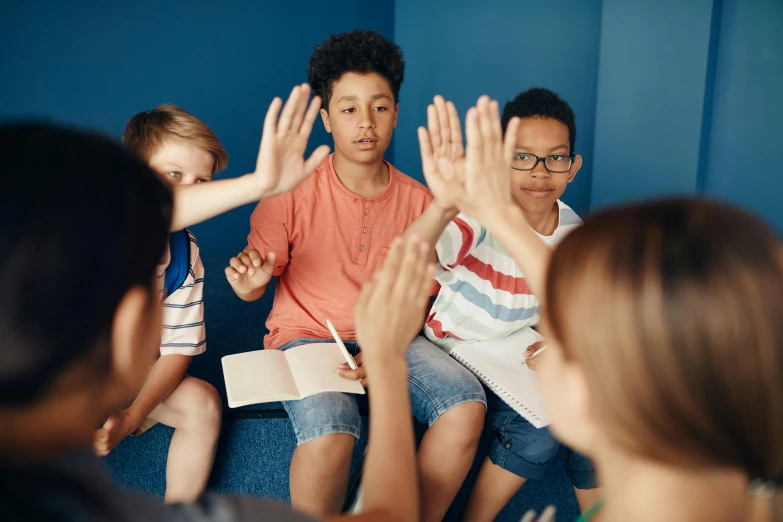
(556, 163)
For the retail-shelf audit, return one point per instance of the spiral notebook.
(499, 364)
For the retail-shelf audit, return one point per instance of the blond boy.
(182, 150)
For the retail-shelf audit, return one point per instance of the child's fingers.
(443, 119)
(270, 121)
(425, 148)
(310, 116)
(269, 263)
(433, 125)
(245, 260)
(456, 130)
(485, 121)
(511, 138)
(316, 158)
(300, 107)
(237, 265)
(284, 124)
(493, 114)
(255, 257)
(355, 375)
(473, 131)
(231, 274)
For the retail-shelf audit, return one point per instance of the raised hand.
(249, 271)
(483, 187)
(281, 165)
(441, 139)
(391, 306)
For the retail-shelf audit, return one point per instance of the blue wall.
(651, 90)
(95, 64)
(746, 137)
(462, 49)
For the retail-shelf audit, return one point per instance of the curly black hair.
(357, 51)
(544, 104)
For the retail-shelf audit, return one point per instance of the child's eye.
(348, 110)
(175, 174)
(522, 156)
(557, 157)
(201, 180)
(380, 108)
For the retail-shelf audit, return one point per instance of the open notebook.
(499, 364)
(271, 375)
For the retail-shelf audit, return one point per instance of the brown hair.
(684, 355)
(147, 130)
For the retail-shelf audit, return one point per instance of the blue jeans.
(437, 383)
(527, 451)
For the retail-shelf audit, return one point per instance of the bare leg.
(319, 474)
(193, 410)
(494, 488)
(445, 456)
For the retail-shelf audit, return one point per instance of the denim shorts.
(436, 383)
(527, 451)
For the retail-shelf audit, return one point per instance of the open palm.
(441, 140)
(281, 165)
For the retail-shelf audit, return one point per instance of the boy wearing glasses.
(483, 293)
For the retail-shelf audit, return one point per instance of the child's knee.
(203, 406)
(329, 451)
(464, 422)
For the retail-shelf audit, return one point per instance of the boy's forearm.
(164, 377)
(390, 480)
(196, 203)
(429, 226)
(510, 228)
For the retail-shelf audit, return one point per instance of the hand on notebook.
(249, 271)
(485, 185)
(359, 374)
(441, 139)
(116, 428)
(281, 165)
(533, 362)
(391, 306)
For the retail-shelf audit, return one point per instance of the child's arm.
(280, 165)
(441, 139)
(163, 379)
(388, 317)
(484, 190)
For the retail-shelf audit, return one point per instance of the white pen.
(343, 349)
(536, 352)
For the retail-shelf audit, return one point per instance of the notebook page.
(314, 369)
(256, 377)
(500, 362)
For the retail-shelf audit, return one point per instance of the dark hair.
(82, 220)
(356, 51)
(541, 103)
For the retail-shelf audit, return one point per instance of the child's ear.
(325, 119)
(396, 112)
(575, 168)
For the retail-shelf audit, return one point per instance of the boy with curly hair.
(323, 241)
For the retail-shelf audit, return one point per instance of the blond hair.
(684, 356)
(148, 130)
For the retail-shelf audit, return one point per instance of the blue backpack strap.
(177, 271)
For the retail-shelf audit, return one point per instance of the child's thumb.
(269, 262)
